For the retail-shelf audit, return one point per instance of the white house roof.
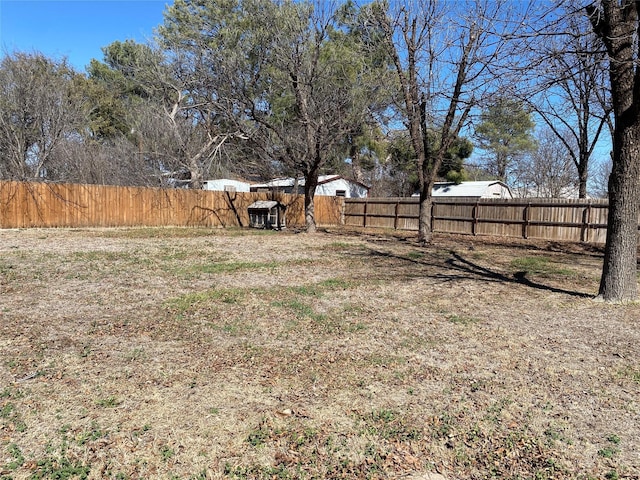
(221, 183)
(278, 182)
(542, 192)
(467, 189)
(290, 182)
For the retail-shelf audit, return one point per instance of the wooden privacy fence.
(549, 219)
(70, 205)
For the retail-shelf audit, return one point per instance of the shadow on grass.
(470, 270)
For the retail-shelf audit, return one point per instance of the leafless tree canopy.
(38, 114)
(548, 172)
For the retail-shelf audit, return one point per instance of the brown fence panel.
(328, 210)
(66, 205)
(396, 213)
(453, 216)
(354, 212)
(550, 219)
(407, 215)
(500, 218)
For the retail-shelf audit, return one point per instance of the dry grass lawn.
(198, 354)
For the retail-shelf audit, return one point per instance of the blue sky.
(76, 29)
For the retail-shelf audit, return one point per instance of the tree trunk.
(617, 24)
(425, 234)
(310, 184)
(619, 281)
(583, 176)
(356, 166)
(196, 181)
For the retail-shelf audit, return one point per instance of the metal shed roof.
(263, 204)
(468, 189)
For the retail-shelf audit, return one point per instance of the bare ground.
(194, 353)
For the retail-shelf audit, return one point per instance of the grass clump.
(16, 457)
(320, 288)
(299, 309)
(109, 402)
(540, 266)
(612, 449)
(191, 301)
(166, 453)
(93, 433)
(11, 418)
(462, 319)
(389, 425)
(59, 463)
(630, 373)
(232, 267)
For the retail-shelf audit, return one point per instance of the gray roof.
(264, 204)
(467, 189)
(290, 182)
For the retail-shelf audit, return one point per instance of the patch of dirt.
(196, 353)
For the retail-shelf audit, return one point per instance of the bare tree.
(172, 116)
(575, 99)
(117, 162)
(442, 53)
(38, 112)
(547, 172)
(600, 178)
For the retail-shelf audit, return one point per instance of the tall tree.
(505, 132)
(117, 86)
(38, 112)
(575, 100)
(286, 77)
(401, 165)
(168, 112)
(617, 23)
(441, 52)
(365, 144)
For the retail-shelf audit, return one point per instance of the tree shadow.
(470, 270)
(462, 264)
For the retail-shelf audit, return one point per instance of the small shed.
(267, 214)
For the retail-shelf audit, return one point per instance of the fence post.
(525, 223)
(364, 216)
(586, 219)
(474, 222)
(395, 215)
(431, 219)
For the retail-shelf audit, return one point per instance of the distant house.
(482, 189)
(330, 185)
(566, 192)
(226, 185)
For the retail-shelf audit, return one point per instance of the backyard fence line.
(24, 205)
(583, 220)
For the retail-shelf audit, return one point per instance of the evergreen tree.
(505, 133)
